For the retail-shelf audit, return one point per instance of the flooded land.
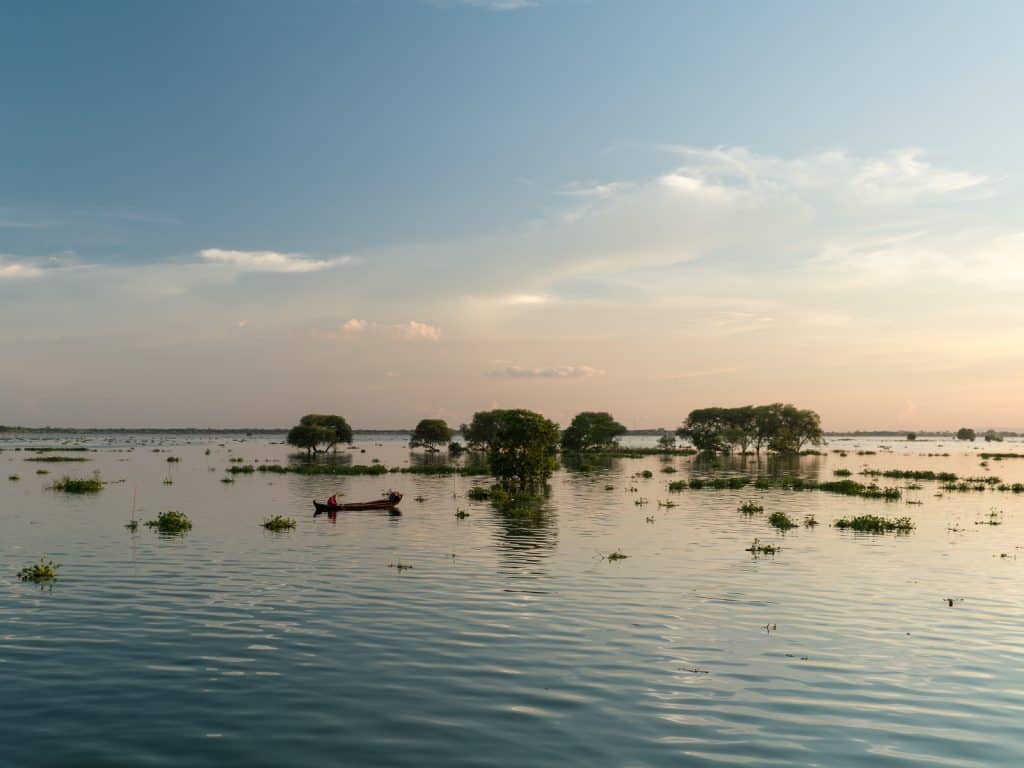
(751, 615)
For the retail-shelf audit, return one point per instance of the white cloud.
(414, 331)
(355, 328)
(18, 270)
(270, 261)
(558, 372)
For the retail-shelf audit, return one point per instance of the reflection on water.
(506, 637)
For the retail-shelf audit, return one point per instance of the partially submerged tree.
(480, 432)
(591, 430)
(522, 449)
(667, 441)
(782, 428)
(430, 433)
(965, 433)
(315, 430)
(991, 436)
(911, 436)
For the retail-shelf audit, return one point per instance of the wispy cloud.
(489, 5)
(355, 328)
(14, 270)
(558, 372)
(271, 261)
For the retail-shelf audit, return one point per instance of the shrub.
(78, 485)
(781, 520)
(875, 524)
(171, 522)
(276, 523)
(45, 571)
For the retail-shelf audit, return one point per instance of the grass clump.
(842, 473)
(43, 572)
(781, 520)
(78, 484)
(14, 478)
(276, 523)
(478, 493)
(875, 524)
(677, 486)
(810, 521)
(750, 508)
(173, 459)
(56, 459)
(241, 469)
(615, 556)
(171, 522)
(757, 548)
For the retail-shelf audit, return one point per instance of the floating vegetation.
(277, 523)
(750, 508)
(1001, 456)
(132, 525)
(171, 522)
(461, 514)
(810, 521)
(420, 499)
(615, 556)
(227, 479)
(875, 524)
(668, 469)
(14, 478)
(781, 520)
(638, 453)
(842, 473)
(677, 486)
(173, 459)
(168, 480)
(649, 519)
(43, 572)
(56, 459)
(478, 493)
(400, 567)
(994, 517)
(757, 549)
(241, 469)
(78, 485)
(647, 474)
(668, 504)
(609, 487)
(640, 501)
(853, 488)
(42, 471)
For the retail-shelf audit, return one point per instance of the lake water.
(510, 641)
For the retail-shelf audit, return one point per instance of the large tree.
(799, 427)
(705, 428)
(523, 448)
(965, 433)
(591, 430)
(319, 429)
(480, 432)
(430, 433)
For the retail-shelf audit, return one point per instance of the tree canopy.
(591, 430)
(317, 429)
(782, 428)
(965, 433)
(430, 433)
(483, 428)
(522, 448)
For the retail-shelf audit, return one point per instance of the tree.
(667, 441)
(430, 433)
(798, 428)
(964, 433)
(911, 435)
(480, 432)
(993, 436)
(740, 427)
(704, 427)
(767, 422)
(522, 448)
(316, 429)
(591, 430)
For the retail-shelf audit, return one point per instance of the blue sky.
(230, 213)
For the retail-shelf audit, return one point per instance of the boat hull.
(368, 506)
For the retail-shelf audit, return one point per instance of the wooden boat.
(388, 503)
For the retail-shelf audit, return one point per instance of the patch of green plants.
(842, 473)
(43, 572)
(56, 459)
(750, 508)
(277, 523)
(647, 474)
(781, 520)
(14, 478)
(875, 524)
(677, 486)
(757, 548)
(668, 469)
(173, 459)
(400, 567)
(42, 471)
(461, 514)
(478, 493)
(241, 469)
(78, 484)
(615, 556)
(227, 479)
(171, 522)
(810, 521)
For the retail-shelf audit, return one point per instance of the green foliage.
(278, 523)
(430, 433)
(241, 469)
(478, 493)
(965, 433)
(875, 524)
(523, 449)
(78, 485)
(782, 428)
(317, 429)
(615, 556)
(43, 572)
(911, 436)
(842, 473)
(171, 522)
(14, 478)
(590, 431)
(56, 459)
(757, 548)
(750, 508)
(781, 520)
(991, 436)
(482, 430)
(667, 442)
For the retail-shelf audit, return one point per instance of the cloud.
(17, 270)
(411, 331)
(559, 372)
(270, 261)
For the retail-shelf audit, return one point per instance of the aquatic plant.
(78, 485)
(668, 504)
(227, 479)
(757, 548)
(43, 572)
(750, 508)
(668, 469)
(615, 556)
(781, 520)
(241, 469)
(42, 471)
(609, 487)
(875, 524)
(842, 473)
(461, 514)
(647, 474)
(420, 499)
(400, 566)
(278, 523)
(677, 486)
(56, 459)
(810, 521)
(132, 525)
(171, 522)
(478, 493)
(173, 459)
(14, 477)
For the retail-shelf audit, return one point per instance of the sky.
(234, 213)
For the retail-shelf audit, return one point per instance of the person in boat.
(394, 497)
(333, 501)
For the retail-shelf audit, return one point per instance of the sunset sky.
(231, 214)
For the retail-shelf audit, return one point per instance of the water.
(509, 642)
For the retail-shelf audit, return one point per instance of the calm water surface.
(510, 641)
